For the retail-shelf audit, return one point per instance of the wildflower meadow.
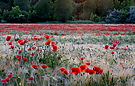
(67, 54)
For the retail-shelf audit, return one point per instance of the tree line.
(64, 10)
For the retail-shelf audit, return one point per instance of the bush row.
(116, 11)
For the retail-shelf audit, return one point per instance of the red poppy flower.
(65, 72)
(19, 51)
(20, 36)
(10, 43)
(98, 70)
(75, 70)
(18, 59)
(21, 65)
(10, 75)
(120, 63)
(62, 69)
(106, 46)
(25, 59)
(38, 49)
(55, 48)
(19, 41)
(11, 47)
(112, 52)
(53, 42)
(33, 47)
(44, 66)
(47, 37)
(87, 63)
(29, 49)
(82, 58)
(18, 56)
(31, 78)
(3, 80)
(48, 42)
(25, 41)
(90, 71)
(22, 42)
(112, 47)
(32, 54)
(8, 38)
(117, 48)
(82, 67)
(125, 49)
(7, 79)
(35, 66)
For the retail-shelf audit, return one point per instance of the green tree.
(116, 4)
(98, 7)
(5, 1)
(63, 10)
(33, 2)
(23, 4)
(0, 15)
(4, 6)
(15, 15)
(5, 14)
(127, 3)
(43, 10)
(123, 4)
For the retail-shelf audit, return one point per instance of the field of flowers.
(67, 54)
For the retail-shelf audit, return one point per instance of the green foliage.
(107, 79)
(116, 4)
(23, 4)
(124, 15)
(0, 17)
(43, 10)
(15, 12)
(15, 15)
(99, 7)
(52, 59)
(95, 18)
(63, 10)
(0, 14)
(5, 14)
(33, 16)
(4, 6)
(125, 4)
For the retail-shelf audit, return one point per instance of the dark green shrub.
(43, 10)
(5, 14)
(63, 10)
(33, 17)
(95, 17)
(0, 15)
(15, 15)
